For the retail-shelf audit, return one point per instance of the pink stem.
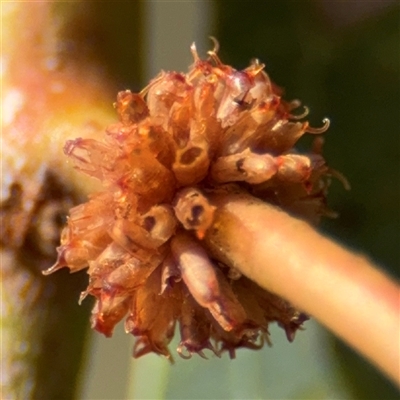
(343, 290)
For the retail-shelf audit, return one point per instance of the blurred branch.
(50, 91)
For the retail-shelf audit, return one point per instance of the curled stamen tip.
(179, 350)
(53, 268)
(216, 44)
(213, 53)
(323, 128)
(304, 114)
(341, 178)
(82, 296)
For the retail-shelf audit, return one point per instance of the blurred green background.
(342, 60)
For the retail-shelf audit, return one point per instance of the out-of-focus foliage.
(350, 74)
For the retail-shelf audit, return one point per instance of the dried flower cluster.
(182, 138)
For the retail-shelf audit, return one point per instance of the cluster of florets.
(177, 141)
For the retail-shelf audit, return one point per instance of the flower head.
(178, 141)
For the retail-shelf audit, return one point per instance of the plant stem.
(342, 290)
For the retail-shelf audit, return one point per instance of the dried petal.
(245, 166)
(205, 283)
(107, 313)
(152, 317)
(195, 329)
